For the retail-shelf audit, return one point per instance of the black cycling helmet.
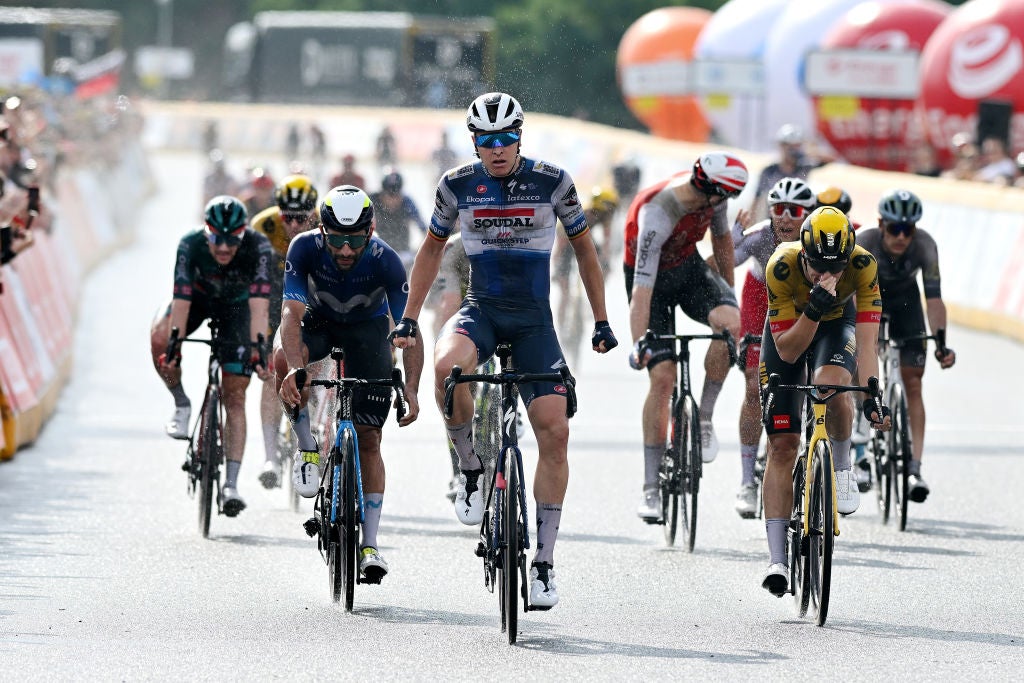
(346, 208)
(900, 206)
(827, 239)
(392, 182)
(837, 197)
(626, 178)
(226, 215)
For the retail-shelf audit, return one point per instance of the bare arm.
(291, 345)
(591, 274)
(722, 250)
(937, 321)
(639, 311)
(179, 314)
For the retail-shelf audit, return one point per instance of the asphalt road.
(104, 576)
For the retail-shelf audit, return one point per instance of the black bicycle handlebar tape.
(730, 345)
(940, 339)
(396, 382)
(449, 390)
(173, 344)
(570, 391)
(300, 379)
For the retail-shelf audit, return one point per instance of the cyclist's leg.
(160, 332)
(270, 406)
(907, 320)
(753, 311)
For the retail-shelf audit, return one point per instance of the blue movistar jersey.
(508, 227)
(375, 284)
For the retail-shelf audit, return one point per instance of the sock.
(372, 503)
(652, 464)
(462, 439)
(302, 429)
(708, 398)
(841, 454)
(548, 517)
(231, 479)
(914, 468)
(748, 455)
(180, 399)
(777, 529)
(270, 441)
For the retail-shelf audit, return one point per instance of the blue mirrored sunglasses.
(217, 239)
(492, 140)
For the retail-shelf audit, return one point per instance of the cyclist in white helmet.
(664, 270)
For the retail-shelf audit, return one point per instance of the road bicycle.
(761, 460)
(338, 507)
(205, 453)
(892, 451)
(814, 519)
(682, 465)
(504, 530)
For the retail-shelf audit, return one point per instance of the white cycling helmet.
(719, 173)
(494, 111)
(792, 191)
(789, 134)
(346, 208)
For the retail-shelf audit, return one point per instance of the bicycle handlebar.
(395, 382)
(813, 391)
(741, 356)
(174, 343)
(563, 375)
(725, 335)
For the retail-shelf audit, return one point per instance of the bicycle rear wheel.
(209, 454)
(900, 452)
(691, 464)
(883, 475)
(349, 518)
(510, 552)
(670, 476)
(822, 530)
(799, 575)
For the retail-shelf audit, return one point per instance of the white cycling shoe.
(177, 426)
(469, 499)
(543, 592)
(232, 503)
(649, 509)
(708, 442)
(306, 473)
(847, 493)
(776, 579)
(371, 565)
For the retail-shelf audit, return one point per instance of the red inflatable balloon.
(875, 132)
(975, 55)
(653, 64)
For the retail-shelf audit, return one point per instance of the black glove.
(407, 327)
(869, 407)
(819, 302)
(603, 333)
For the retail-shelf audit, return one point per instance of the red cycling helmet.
(719, 174)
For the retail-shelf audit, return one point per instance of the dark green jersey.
(248, 274)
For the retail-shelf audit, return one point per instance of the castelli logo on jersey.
(983, 60)
(480, 189)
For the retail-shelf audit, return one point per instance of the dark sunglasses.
(826, 266)
(293, 217)
(793, 210)
(217, 239)
(355, 241)
(897, 229)
(492, 140)
(711, 189)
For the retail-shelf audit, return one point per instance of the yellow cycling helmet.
(827, 239)
(603, 199)
(296, 194)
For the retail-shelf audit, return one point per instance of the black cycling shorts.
(367, 356)
(232, 323)
(694, 287)
(835, 343)
(906, 319)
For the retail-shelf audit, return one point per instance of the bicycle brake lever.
(570, 386)
(399, 386)
(449, 390)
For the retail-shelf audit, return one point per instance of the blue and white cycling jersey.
(508, 227)
(375, 284)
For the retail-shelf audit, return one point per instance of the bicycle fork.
(819, 422)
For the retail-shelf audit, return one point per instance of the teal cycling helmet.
(226, 215)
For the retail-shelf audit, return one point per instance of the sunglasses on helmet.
(217, 239)
(492, 140)
(901, 228)
(354, 240)
(791, 210)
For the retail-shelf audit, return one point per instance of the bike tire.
(510, 564)
(798, 568)
(330, 528)
(286, 446)
(670, 476)
(883, 476)
(209, 460)
(490, 436)
(822, 538)
(901, 453)
(692, 469)
(349, 519)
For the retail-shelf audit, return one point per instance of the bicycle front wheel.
(822, 529)
(799, 573)
(330, 512)
(510, 551)
(670, 476)
(692, 464)
(883, 475)
(349, 518)
(209, 454)
(900, 452)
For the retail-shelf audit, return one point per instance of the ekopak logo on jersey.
(983, 60)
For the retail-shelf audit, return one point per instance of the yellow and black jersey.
(268, 222)
(788, 287)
